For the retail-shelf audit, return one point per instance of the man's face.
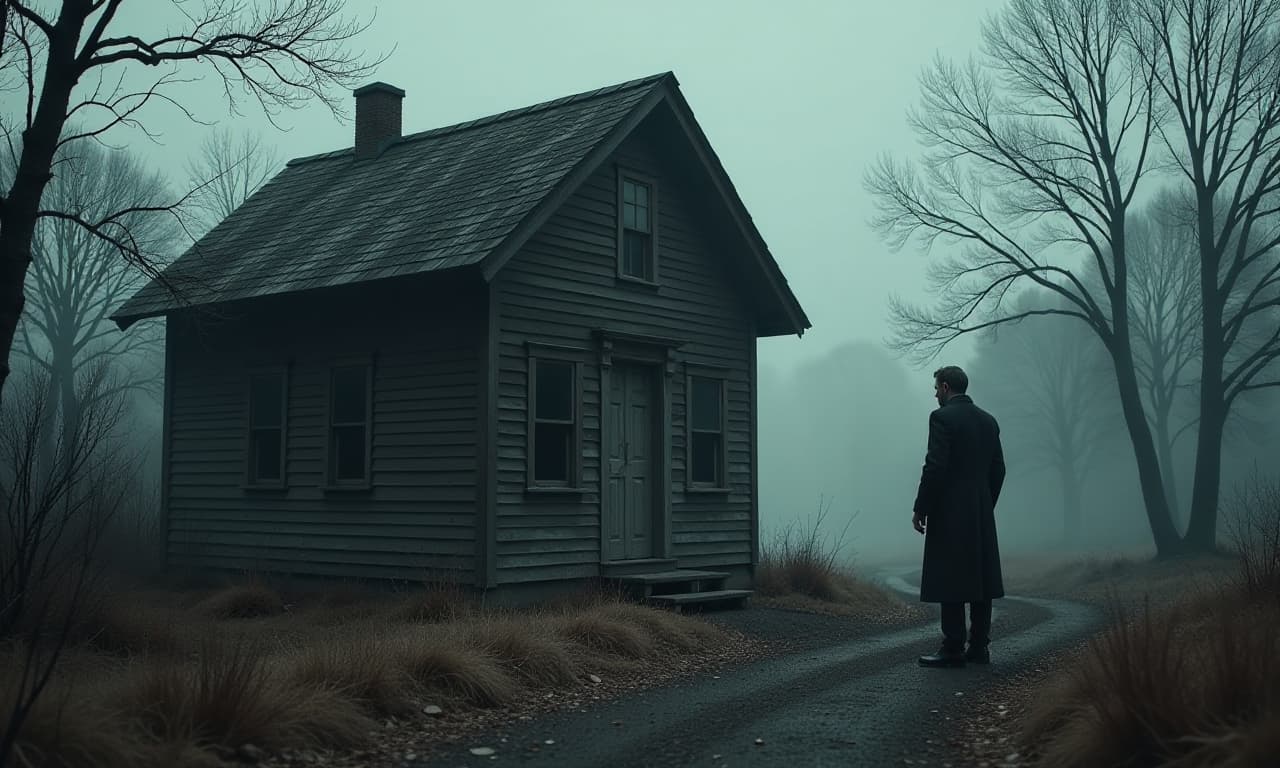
(941, 391)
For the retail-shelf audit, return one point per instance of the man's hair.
(954, 377)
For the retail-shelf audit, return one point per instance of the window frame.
(250, 481)
(626, 174)
(572, 356)
(331, 481)
(721, 483)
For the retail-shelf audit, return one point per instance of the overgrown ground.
(1186, 673)
(246, 674)
(161, 678)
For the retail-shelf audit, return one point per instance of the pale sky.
(797, 98)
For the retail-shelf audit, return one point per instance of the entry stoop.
(679, 588)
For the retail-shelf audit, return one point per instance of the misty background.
(797, 99)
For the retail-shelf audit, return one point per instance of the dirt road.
(861, 701)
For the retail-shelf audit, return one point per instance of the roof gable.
(467, 195)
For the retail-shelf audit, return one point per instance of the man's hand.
(917, 520)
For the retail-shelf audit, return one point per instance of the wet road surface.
(860, 702)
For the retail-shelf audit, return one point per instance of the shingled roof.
(440, 199)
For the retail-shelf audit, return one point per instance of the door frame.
(659, 354)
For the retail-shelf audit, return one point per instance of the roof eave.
(666, 90)
(572, 181)
(790, 305)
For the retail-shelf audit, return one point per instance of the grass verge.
(1191, 682)
(174, 680)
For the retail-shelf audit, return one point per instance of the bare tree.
(1165, 316)
(1218, 65)
(76, 279)
(1035, 155)
(1052, 379)
(72, 65)
(229, 168)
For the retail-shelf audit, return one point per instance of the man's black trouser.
(979, 625)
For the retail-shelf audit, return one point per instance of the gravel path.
(843, 695)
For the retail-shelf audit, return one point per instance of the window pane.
(704, 458)
(706, 404)
(552, 450)
(642, 219)
(628, 191)
(629, 216)
(266, 406)
(348, 451)
(350, 398)
(264, 459)
(635, 255)
(554, 390)
(642, 195)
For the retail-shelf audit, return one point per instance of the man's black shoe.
(978, 655)
(943, 658)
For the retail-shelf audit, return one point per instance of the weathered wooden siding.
(419, 517)
(556, 290)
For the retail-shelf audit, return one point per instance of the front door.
(629, 517)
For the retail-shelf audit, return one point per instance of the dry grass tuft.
(229, 698)
(1169, 686)
(531, 655)
(358, 668)
(133, 627)
(245, 601)
(596, 632)
(663, 626)
(437, 603)
(446, 668)
(71, 731)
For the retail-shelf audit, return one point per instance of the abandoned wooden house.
(519, 352)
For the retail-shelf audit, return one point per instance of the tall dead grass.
(163, 680)
(800, 568)
(1192, 685)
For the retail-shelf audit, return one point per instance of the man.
(955, 510)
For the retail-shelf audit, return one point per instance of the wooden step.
(665, 577)
(681, 600)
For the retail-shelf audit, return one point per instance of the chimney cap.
(378, 87)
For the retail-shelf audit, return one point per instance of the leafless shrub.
(59, 489)
(802, 560)
(1252, 519)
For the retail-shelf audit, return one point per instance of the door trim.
(628, 347)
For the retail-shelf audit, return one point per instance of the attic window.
(636, 236)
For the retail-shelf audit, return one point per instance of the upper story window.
(267, 404)
(350, 417)
(636, 252)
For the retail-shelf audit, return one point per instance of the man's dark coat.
(961, 481)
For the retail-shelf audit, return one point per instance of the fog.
(798, 99)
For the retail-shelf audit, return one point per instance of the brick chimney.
(377, 117)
